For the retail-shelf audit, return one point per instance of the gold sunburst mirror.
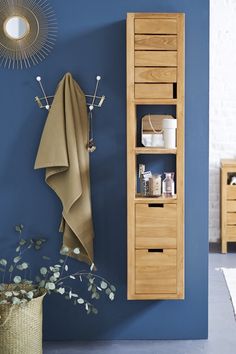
(28, 31)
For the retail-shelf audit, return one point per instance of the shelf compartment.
(154, 150)
(155, 200)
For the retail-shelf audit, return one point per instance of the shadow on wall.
(103, 49)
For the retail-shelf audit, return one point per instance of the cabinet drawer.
(156, 272)
(154, 91)
(231, 219)
(153, 42)
(156, 226)
(155, 58)
(155, 26)
(155, 74)
(231, 205)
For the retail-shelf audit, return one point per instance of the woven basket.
(21, 327)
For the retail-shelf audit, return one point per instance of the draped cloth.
(63, 152)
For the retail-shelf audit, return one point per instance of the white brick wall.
(222, 99)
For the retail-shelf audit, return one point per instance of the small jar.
(155, 185)
(168, 185)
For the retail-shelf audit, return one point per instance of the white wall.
(222, 98)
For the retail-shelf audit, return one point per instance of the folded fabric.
(63, 152)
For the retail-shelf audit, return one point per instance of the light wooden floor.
(222, 326)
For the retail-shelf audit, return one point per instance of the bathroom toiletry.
(233, 181)
(168, 185)
(155, 185)
(144, 183)
(141, 169)
(169, 129)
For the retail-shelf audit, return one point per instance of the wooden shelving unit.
(155, 76)
(228, 204)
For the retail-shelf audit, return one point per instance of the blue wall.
(92, 41)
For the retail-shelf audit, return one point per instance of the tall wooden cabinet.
(155, 77)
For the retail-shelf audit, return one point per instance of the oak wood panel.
(230, 233)
(143, 74)
(231, 219)
(231, 206)
(154, 90)
(231, 192)
(180, 167)
(155, 42)
(156, 226)
(156, 272)
(155, 58)
(156, 26)
(131, 158)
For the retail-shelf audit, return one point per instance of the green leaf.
(18, 249)
(111, 296)
(22, 242)
(103, 285)
(94, 311)
(17, 259)
(11, 269)
(50, 286)
(43, 270)
(8, 294)
(108, 291)
(17, 279)
(30, 295)
(113, 288)
(16, 301)
(3, 262)
(80, 301)
(64, 251)
(61, 291)
(18, 228)
(24, 265)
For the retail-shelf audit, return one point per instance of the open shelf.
(149, 200)
(153, 150)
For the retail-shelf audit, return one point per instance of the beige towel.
(62, 151)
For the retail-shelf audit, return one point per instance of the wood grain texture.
(180, 168)
(155, 58)
(156, 226)
(154, 90)
(231, 206)
(155, 275)
(156, 272)
(231, 192)
(131, 158)
(155, 74)
(153, 26)
(155, 42)
(223, 176)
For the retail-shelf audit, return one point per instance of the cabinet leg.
(224, 247)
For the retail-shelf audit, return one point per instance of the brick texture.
(222, 100)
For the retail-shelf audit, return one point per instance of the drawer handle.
(156, 205)
(156, 250)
